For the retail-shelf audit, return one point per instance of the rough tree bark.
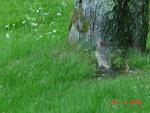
(110, 24)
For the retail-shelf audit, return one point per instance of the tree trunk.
(110, 24)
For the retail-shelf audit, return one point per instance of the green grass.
(41, 73)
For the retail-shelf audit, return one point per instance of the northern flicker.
(103, 57)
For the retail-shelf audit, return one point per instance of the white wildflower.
(38, 11)
(54, 31)
(34, 24)
(13, 25)
(52, 22)
(58, 14)
(23, 22)
(6, 26)
(35, 30)
(46, 14)
(140, 77)
(40, 8)
(7, 36)
(40, 36)
(49, 33)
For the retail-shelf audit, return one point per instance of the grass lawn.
(41, 73)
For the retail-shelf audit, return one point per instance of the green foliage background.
(41, 73)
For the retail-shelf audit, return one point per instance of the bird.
(103, 57)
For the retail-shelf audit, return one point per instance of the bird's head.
(101, 43)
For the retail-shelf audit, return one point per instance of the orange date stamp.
(126, 102)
